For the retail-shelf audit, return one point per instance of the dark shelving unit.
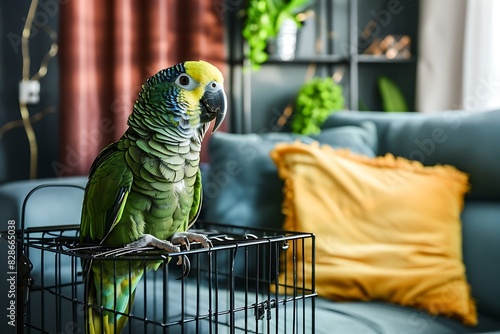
(331, 42)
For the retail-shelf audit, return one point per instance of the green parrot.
(145, 189)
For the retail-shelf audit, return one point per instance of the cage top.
(65, 239)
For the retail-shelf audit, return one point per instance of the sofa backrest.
(469, 141)
(58, 201)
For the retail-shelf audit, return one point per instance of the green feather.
(197, 199)
(110, 179)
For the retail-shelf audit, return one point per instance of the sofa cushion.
(242, 186)
(386, 228)
(378, 317)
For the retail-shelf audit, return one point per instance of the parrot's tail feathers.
(106, 313)
(104, 322)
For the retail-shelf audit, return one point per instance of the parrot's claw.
(186, 266)
(180, 239)
(185, 239)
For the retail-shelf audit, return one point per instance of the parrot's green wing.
(106, 193)
(105, 196)
(197, 200)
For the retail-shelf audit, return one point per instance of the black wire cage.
(250, 281)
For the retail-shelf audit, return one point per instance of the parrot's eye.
(184, 80)
(213, 86)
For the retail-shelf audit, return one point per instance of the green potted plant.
(264, 18)
(393, 99)
(316, 100)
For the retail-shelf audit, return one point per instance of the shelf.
(328, 59)
(383, 60)
(320, 59)
(334, 59)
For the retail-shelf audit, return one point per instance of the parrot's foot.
(149, 240)
(152, 241)
(185, 239)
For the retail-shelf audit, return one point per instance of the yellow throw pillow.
(386, 228)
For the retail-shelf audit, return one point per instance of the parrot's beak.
(213, 106)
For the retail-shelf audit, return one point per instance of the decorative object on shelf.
(264, 20)
(392, 97)
(316, 99)
(283, 46)
(391, 47)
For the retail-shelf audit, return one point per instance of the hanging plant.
(316, 100)
(264, 19)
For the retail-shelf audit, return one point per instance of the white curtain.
(459, 55)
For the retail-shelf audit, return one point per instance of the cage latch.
(264, 308)
(24, 267)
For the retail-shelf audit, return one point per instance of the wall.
(14, 149)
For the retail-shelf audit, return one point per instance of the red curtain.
(108, 49)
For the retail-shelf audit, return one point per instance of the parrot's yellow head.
(182, 97)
